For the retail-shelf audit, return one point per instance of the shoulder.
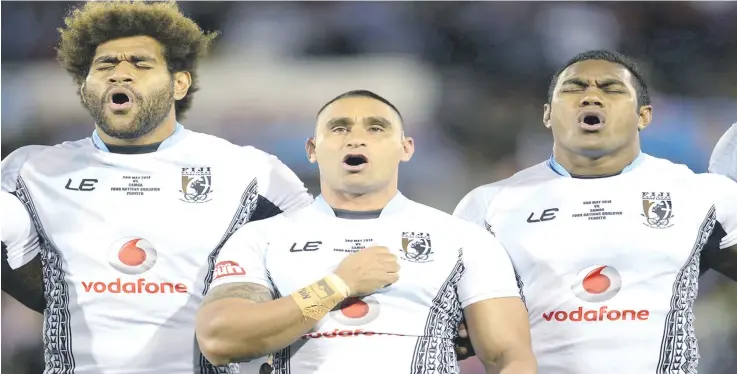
(14, 162)
(447, 222)
(484, 195)
(245, 155)
(662, 166)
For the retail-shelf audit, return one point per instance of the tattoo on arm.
(249, 291)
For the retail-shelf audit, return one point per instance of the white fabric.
(446, 265)
(724, 158)
(130, 243)
(637, 236)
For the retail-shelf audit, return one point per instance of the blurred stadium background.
(469, 77)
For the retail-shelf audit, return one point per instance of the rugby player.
(124, 227)
(364, 280)
(607, 241)
(724, 158)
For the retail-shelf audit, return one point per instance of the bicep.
(497, 326)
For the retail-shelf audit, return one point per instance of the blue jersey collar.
(560, 170)
(168, 142)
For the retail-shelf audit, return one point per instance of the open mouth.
(120, 99)
(355, 162)
(591, 119)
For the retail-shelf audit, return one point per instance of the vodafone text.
(139, 286)
(597, 315)
(344, 334)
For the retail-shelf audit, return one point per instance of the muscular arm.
(500, 333)
(24, 284)
(241, 321)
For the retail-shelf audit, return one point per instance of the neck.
(585, 165)
(164, 130)
(374, 200)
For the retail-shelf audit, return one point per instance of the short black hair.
(362, 93)
(638, 81)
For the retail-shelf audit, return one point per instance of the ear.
(182, 83)
(408, 149)
(646, 116)
(310, 149)
(546, 115)
(81, 93)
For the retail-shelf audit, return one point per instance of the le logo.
(84, 185)
(308, 247)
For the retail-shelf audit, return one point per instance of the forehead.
(134, 45)
(598, 70)
(357, 108)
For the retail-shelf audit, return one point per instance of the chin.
(357, 187)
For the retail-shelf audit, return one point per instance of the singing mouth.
(591, 118)
(120, 99)
(355, 160)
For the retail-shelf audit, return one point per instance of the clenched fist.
(368, 270)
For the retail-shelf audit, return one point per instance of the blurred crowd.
(472, 76)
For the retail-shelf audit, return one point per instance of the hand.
(463, 346)
(368, 270)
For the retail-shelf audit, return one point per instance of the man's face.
(594, 111)
(358, 145)
(129, 90)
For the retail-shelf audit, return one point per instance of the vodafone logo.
(132, 255)
(597, 283)
(355, 311)
(228, 268)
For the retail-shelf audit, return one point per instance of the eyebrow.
(345, 121)
(603, 84)
(340, 121)
(115, 59)
(380, 121)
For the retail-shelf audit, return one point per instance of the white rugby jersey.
(724, 158)
(610, 266)
(129, 242)
(408, 327)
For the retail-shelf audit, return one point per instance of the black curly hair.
(97, 22)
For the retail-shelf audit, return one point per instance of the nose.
(591, 100)
(121, 75)
(355, 143)
(356, 139)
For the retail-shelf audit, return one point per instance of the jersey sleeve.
(279, 189)
(18, 232)
(475, 205)
(472, 207)
(488, 271)
(242, 258)
(724, 158)
(726, 208)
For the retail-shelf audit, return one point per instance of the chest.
(645, 226)
(427, 256)
(135, 216)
